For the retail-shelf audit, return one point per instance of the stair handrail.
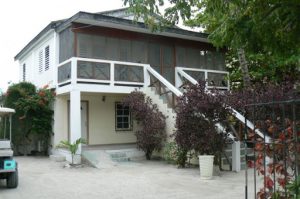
(237, 115)
(165, 82)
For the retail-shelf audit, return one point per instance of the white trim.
(164, 81)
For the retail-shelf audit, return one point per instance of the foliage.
(170, 152)
(152, 121)
(274, 111)
(294, 187)
(33, 112)
(71, 147)
(199, 111)
(267, 30)
(173, 154)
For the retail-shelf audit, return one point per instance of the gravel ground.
(41, 178)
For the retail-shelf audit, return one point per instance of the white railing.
(183, 72)
(165, 82)
(237, 115)
(68, 72)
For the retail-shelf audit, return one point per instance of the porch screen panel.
(66, 45)
(93, 70)
(197, 75)
(219, 62)
(168, 63)
(154, 56)
(193, 58)
(85, 43)
(112, 48)
(209, 60)
(129, 73)
(217, 79)
(180, 56)
(98, 47)
(125, 50)
(139, 50)
(202, 59)
(64, 72)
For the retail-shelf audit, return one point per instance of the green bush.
(170, 152)
(174, 155)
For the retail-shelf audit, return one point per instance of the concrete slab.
(43, 178)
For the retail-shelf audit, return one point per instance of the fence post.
(236, 156)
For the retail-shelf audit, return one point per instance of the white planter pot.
(77, 159)
(206, 164)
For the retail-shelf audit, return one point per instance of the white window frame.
(122, 116)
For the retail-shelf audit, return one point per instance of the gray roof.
(119, 18)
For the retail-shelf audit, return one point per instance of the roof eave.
(125, 24)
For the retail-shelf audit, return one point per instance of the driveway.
(41, 178)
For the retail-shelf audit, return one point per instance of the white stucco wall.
(60, 125)
(102, 121)
(101, 117)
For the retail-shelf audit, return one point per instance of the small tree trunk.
(148, 155)
(244, 67)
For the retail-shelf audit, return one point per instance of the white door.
(84, 121)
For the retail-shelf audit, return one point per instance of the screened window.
(47, 58)
(24, 72)
(123, 117)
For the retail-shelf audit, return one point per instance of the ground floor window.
(123, 117)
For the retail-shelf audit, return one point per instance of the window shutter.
(24, 72)
(41, 61)
(47, 58)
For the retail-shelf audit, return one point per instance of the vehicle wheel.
(12, 180)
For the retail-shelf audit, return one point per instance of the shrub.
(198, 113)
(152, 121)
(33, 113)
(275, 112)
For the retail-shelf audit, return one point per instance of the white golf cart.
(8, 166)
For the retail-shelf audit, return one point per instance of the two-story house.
(93, 60)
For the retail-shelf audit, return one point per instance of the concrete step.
(102, 158)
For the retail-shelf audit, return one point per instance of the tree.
(198, 113)
(270, 28)
(33, 113)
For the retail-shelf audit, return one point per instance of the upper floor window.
(44, 59)
(24, 72)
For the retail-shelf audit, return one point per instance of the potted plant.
(199, 113)
(72, 147)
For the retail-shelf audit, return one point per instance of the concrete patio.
(43, 178)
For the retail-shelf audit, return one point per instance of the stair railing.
(180, 73)
(163, 87)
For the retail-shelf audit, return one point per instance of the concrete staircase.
(163, 107)
(228, 152)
